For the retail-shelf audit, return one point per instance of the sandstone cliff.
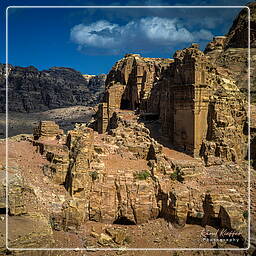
(31, 90)
(231, 51)
(237, 36)
(190, 96)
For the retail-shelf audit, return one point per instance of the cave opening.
(215, 222)
(124, 221)
(150, 116)
(136, 105)
(194, 220)
(2, 210)
(125, 104)
(151, 153)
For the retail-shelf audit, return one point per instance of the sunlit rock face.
(189, 95)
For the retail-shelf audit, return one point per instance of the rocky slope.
(231, 51)
(31, 90)
(121, 178)
(47, 203)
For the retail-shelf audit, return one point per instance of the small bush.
(177, 175)
(94, 175)
(128, 240)
(245, 214)
(199, 215)
(143, 175)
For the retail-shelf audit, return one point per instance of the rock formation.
(31, 90)
(231, 51)
(131, 79)
(128, 177)
(190, 96)
(47, 129)
(169, 142)
(16, 192)
(237, 36)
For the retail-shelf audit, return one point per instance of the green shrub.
(245, 214)
(142, 175)
(128, 240)
(199, 215)
(177, 175)
(94, 175)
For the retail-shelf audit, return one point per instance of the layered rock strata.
(48, 129)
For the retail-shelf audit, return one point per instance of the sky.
(91, 40)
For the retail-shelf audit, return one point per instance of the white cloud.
(145, 34)
(203, 34)
(163, 30)
(93, 35)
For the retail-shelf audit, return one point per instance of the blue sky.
(92, 40)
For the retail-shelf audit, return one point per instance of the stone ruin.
(190, 96)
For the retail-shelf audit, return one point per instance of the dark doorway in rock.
(124, 221)
(2, 210)
(194, 220)
(151, 153)
(215, 222)
(125, 104)
(136, 105)
(150, 116)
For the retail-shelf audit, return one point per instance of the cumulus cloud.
(100, 34)
(145, 34)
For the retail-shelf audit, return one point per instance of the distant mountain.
(31, 90)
